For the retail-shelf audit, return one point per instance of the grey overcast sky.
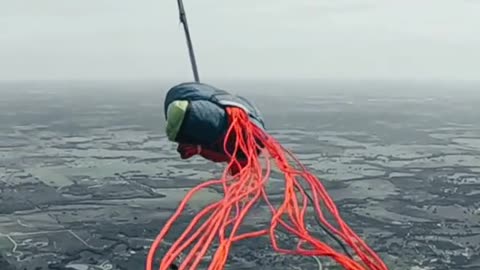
(240, 39)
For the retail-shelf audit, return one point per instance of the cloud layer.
(127, 39)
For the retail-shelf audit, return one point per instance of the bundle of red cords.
(245, 189)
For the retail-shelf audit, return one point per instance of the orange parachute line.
(246, 188)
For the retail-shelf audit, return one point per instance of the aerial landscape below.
(88, 177)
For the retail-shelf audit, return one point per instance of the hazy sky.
(336, 39)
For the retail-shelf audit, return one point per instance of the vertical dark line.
(183, 20)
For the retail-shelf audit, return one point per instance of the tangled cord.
(222, 220)
(317, 260)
